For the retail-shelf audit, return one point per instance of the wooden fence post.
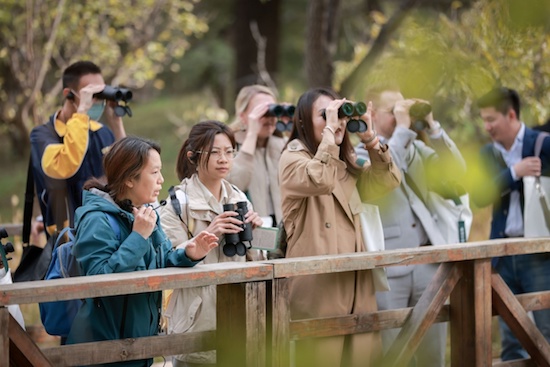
(241, 324)
(280, 323)
(471, 315)
(4, 337)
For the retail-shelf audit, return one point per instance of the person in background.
(506, 160)
(195, 205)
(68, 149)
(321, 189)
(132, 180)
(406, 219)
(260, 146)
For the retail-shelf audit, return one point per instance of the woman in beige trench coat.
(321, 190)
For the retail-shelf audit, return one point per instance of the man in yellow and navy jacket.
(69, 148)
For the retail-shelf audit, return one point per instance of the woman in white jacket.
(196, 204)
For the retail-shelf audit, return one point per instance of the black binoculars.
(349, 109)
(234, 242)
(282, 127)
(418, 113)
(280, 110)
(117, 94)
(5, 249)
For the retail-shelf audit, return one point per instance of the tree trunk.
(321, 31)
(267, 15)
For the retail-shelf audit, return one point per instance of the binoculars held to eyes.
(118, 95)
(234, 242)
(418, 113)
(5, 249)
(281, 110)
(349, 109)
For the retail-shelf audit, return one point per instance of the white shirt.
(514, 220)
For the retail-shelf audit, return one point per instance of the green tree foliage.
(132, 41)
(452, 58)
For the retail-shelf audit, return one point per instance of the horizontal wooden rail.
(13, 229)
(253, 292)
(133, 282)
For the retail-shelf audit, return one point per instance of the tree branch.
(352, 81)
(260, 56)
(45, 63)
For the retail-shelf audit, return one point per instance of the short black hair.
(502, 99)
(75, 71)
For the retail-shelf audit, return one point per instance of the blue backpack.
(57, 317)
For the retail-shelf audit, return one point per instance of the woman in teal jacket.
(133, 180)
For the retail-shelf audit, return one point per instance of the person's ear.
(68, 93)
(512, 114)
(129, 184)
(192, 156)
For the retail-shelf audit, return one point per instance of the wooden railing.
(254, 326)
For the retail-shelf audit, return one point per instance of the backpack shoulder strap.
(176, 204)
(174, 201)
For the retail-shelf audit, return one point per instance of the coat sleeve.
(302, 175)
(380, 176)
(99, 251)
(62, 160)
(173, 257)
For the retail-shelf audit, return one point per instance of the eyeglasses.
(217, 153)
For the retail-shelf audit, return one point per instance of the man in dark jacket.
(508, 159)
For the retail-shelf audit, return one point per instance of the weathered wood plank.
(255, 298)
(423, 315)
(133, 282)
(4, 337)
(356, 323)
(25, 345)
(515, 363)
(129, 349)
(280, 323)
(471, 316)
(519, 322)
(421, 255)
(13, 229)
(231, 325)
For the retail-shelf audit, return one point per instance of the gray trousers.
(405, 292)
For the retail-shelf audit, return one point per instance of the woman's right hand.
(145, 219)
(225, 223)
(333, 123)
(254, 117)
(200, 245)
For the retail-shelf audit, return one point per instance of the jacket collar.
(61, 127)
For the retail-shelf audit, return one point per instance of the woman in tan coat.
(321, 190)
(260, 145)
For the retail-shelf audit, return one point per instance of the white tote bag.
(454, 219)
(535, 212)
(373, 240)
